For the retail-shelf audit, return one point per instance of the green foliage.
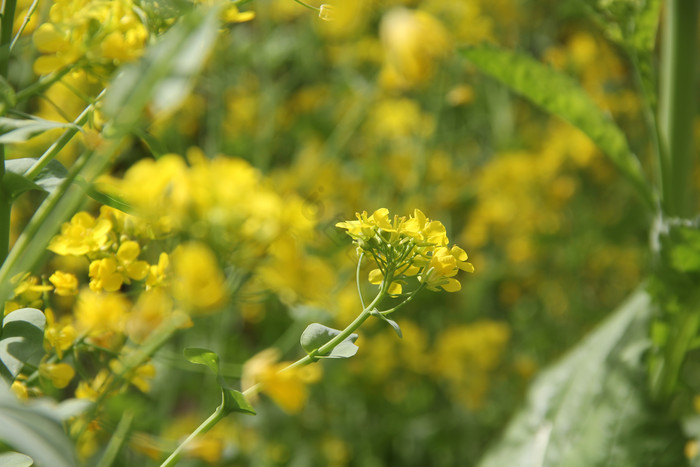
(394, 325)
(560, 95)
(15, 459)
(34, 428)
(16, 131)
(317, 335)
(48, 180)
(592, 408)
(232, 400)
(21, 341)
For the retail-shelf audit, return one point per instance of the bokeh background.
(377, 108)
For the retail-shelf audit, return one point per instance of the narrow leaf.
(317, 335)
(17, 131)
(391, 322)
(558, 94)
(592, 408)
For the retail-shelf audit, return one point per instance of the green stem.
(325, 349)
(677, 104)
(117, 440)
(8, 16)
(207, 425)
(310, 7)
(61, 142)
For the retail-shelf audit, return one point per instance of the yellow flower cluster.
(102, 33)
(226, 203)
(402, 248)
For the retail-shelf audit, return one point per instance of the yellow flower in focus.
(60, 374)
(111, 272)
(104, 275)
(65, 284)
(82, 235)
(413, 41)
(198, 281)
(444, 264)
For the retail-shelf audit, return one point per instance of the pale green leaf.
(592, 407)
(13, 130)
(317, 335)
(15, 459)
(30, 431)
(22, 340)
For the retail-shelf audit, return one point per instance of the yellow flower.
(65, 283)
(58, 336)
(198, 281)
(111, 272)
(287, 388)
(91, 390)
(444, 264)
(157, 273)
(19, 389)
(82, 235)
(101, 316)
(70, 34)
(139, 376)
(412, 41)
(60, 374)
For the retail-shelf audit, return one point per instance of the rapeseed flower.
(403, 248)
(81, 236)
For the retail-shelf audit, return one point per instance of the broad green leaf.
(558, 94)
(203, 357)
(15, 459)
(591, 408)
(391, 322)
(316, 335)
(13, 130)
(235, 401)
(33, 433)
(22, 340)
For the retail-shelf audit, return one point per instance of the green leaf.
(391, 322)
(27, 428)
(630, 23)
(48, 179)
(203, 357)
(17, 131)
(235, 401)
(592, 407)
(317, 335)
(558, 94)
(15, 459)
(166, 72)
(22, 340)
(7, 96)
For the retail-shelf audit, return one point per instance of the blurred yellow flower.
(197, 279)
(286, 387)
(413, 41)
(60, 374)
